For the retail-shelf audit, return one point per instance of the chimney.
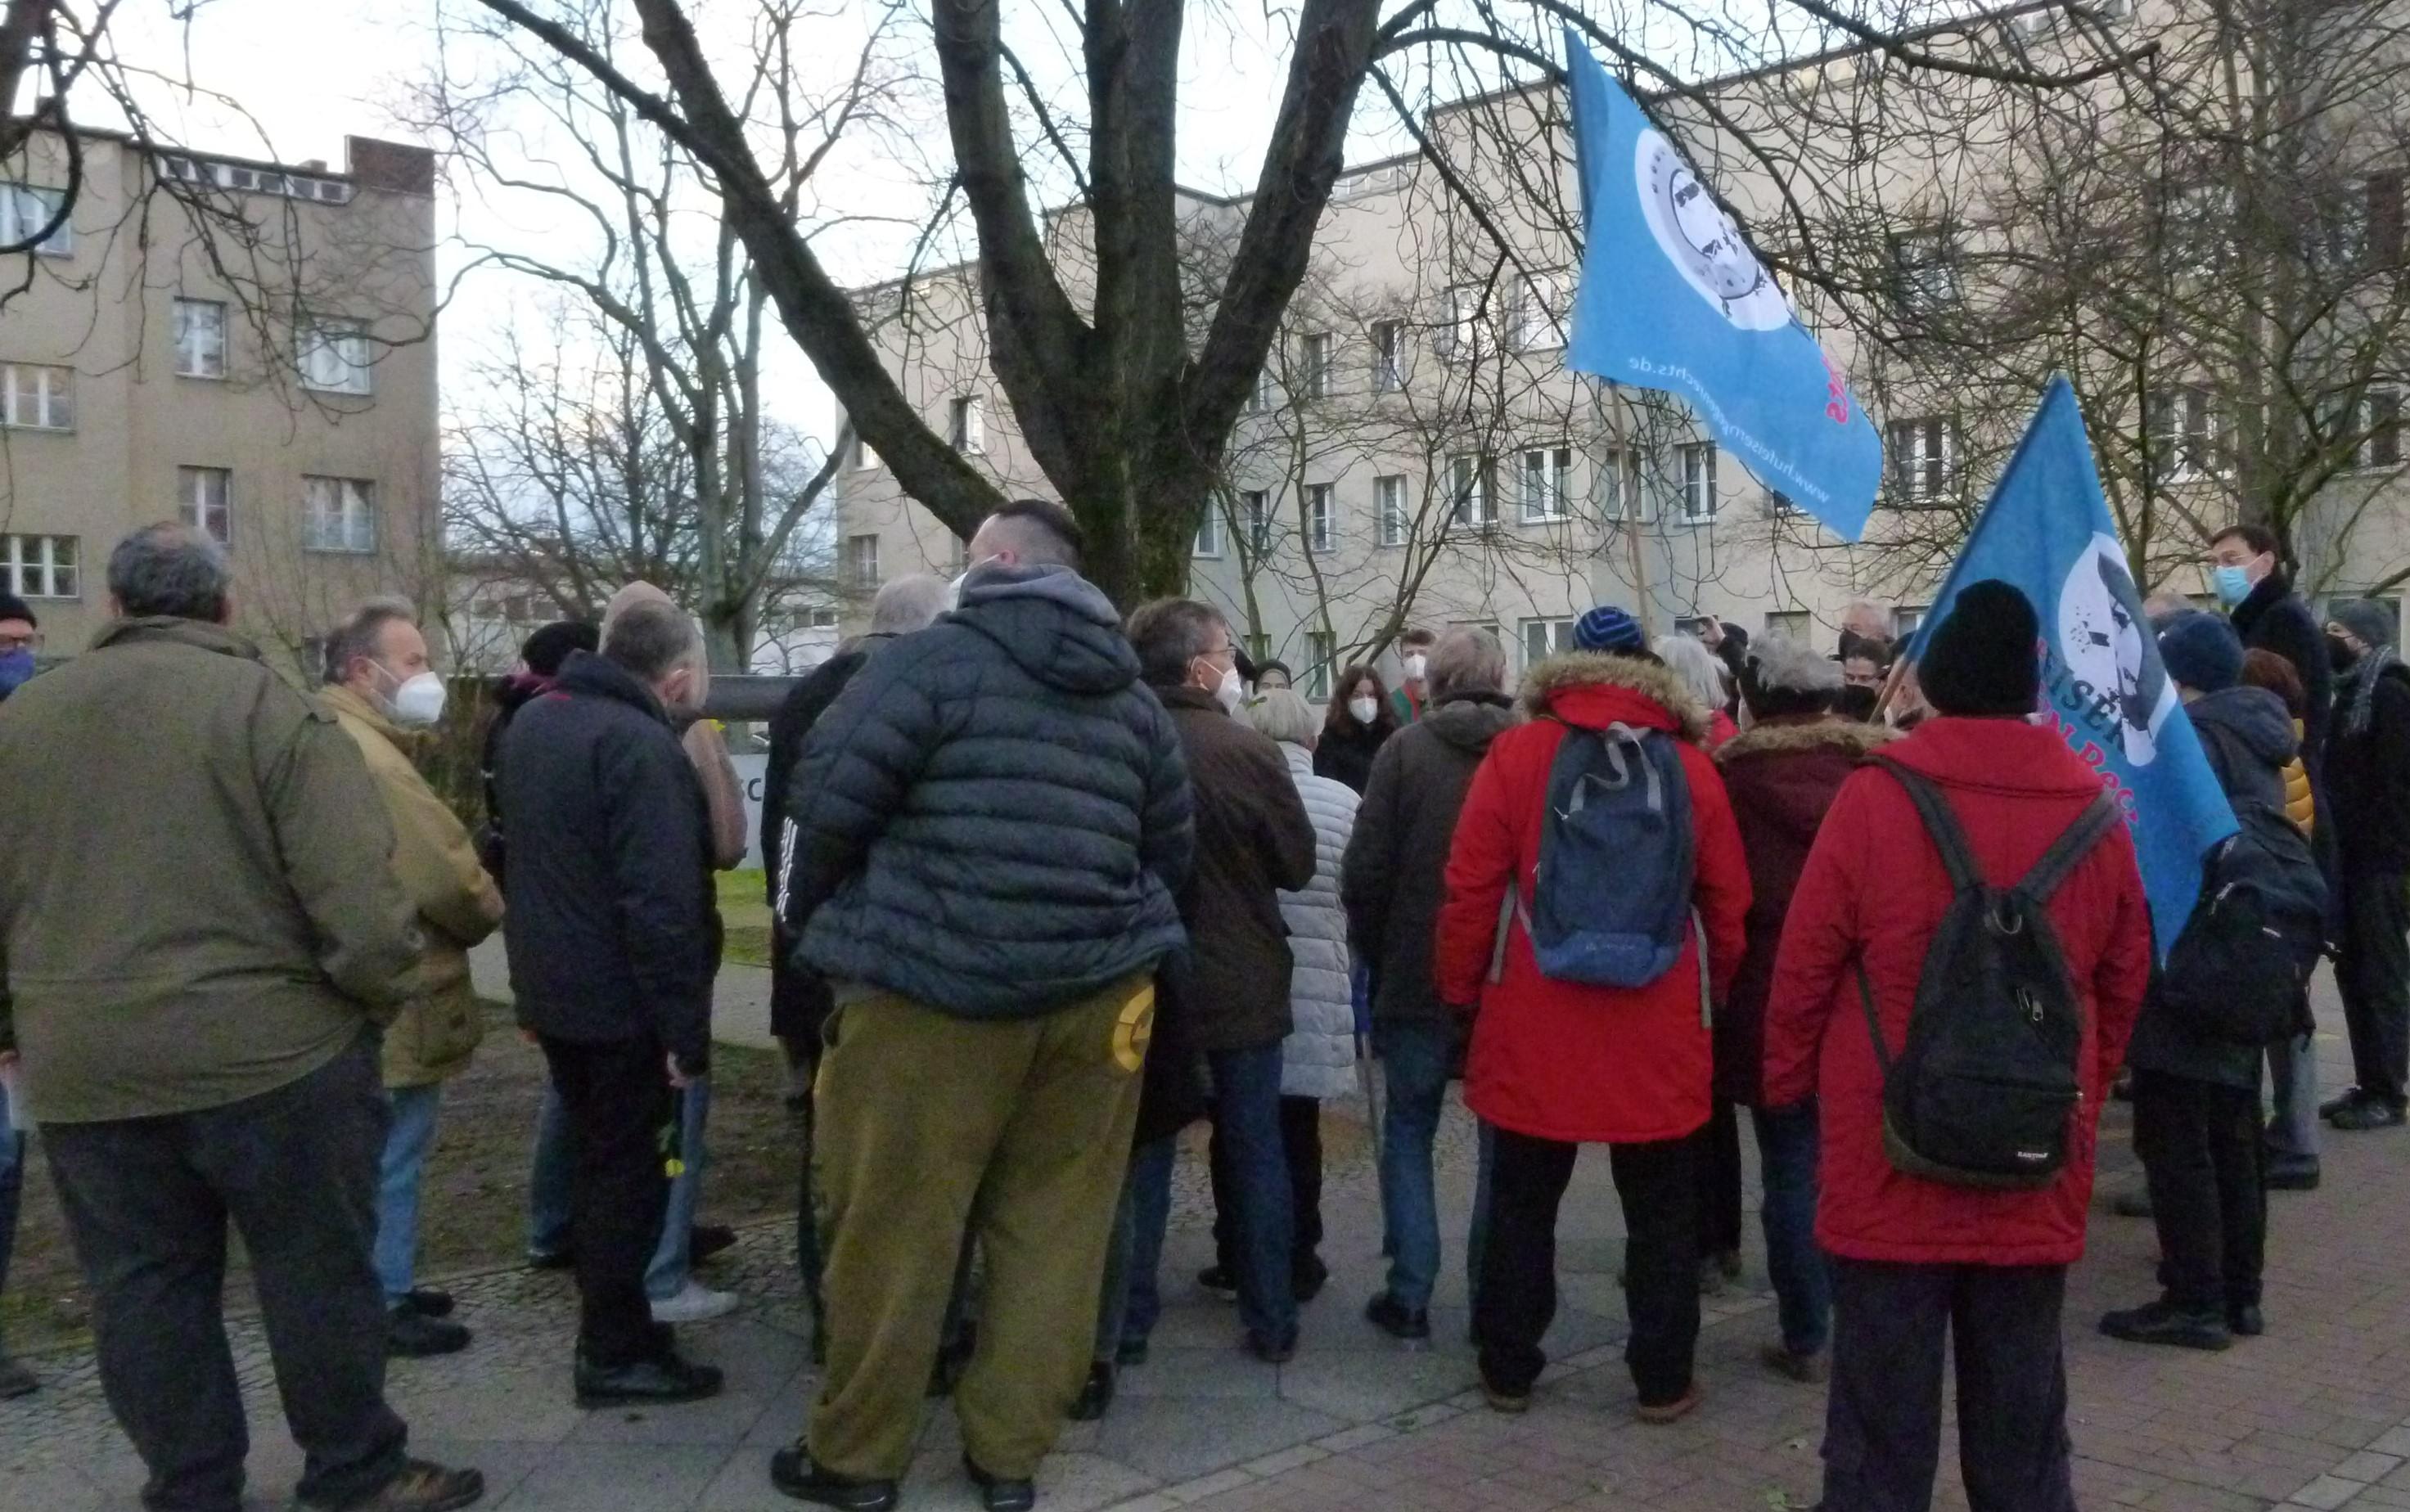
(391, 166)
(313, 165)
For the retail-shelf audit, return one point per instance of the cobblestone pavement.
(2314, 1415)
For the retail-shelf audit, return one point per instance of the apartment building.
(242, 345)
(1417, 453)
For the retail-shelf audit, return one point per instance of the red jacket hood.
(1591, 690)
(1999, 756)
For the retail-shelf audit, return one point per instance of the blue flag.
(1673, 298)
(2047, 531)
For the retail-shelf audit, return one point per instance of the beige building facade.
(245, 346)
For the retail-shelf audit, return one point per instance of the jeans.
(1246, 1119)
(1719, 1182)
(148, 1201)
(1882, 1424)
(1147, 1198)
(549, 1182)
(2200, 1147)
(1301, 1128)
(404, 1162)
(1803, 1288)
(614, 1097)
(12, 1184)
(1414, 1065)
(1657, 1184)
(2293, 1069)
(2372, 970)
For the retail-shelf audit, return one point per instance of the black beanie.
(13, 608)
(1982, 660)
(550, 646)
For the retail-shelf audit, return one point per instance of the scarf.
(2365, 673)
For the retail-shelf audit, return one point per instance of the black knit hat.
(13, 608)
(549, 647)
(1983, 661)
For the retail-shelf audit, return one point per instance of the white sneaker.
(696, 1304)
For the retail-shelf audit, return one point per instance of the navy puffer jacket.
(993, 817)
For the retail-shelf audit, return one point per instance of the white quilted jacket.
(1318, 1058)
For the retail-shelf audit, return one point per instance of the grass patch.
(746, 916)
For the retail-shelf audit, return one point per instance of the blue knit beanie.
(2201, 651)
(1607, 628)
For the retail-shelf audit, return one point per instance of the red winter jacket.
(1562, 1060)
(1874, 890)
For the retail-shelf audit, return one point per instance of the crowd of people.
(1050, 884)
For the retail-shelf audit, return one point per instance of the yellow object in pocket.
(1133, 1028)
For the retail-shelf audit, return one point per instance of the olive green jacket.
(437, 1031)
(198, 899)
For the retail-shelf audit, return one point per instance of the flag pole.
(1634, 510)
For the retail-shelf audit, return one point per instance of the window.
(37, 399)
(1389, 507)
(1209, 533)
(967, 424)
(1924, 271)
(823, 619)
(334, 356)
(1315, 351)
(1321, 649)
(1460, 314)
(200, 339)
(25, 211)
(1793, 625)
(1619, 490)
(1909, 618)
(1540, 316)
(1544, 638)
(865, 459)
(1389, 356)
(1546, 476)
(1262, 396)
(862, 560)
(205, 501)
(2381, 193)
(39, 566)
(1699, 500)
(1919, 456)
(339, 515)
(2187, 434)
(1467, 481)
(2378, 431)
(1256, 508)
(1321, 523)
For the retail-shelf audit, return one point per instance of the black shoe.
(2292, 1173)
(2368, 1112)
(1095, 1399)
(2160, 1323)
(647, 1383)
(1307, 1278)
(2335, 1105)
(793, 1474)
(551, 1260)
(1278, 1351)
(1220, 1281)
(427, 1301)
(2243, 1320)
(410, 1335)
(999, 1495)
(1394, 1318)
(423, 1485)
(707, 1239)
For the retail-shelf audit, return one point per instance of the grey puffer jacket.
(1318, 1057)
(994, 816)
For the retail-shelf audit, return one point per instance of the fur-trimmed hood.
(1787, 736)
(1562, 680)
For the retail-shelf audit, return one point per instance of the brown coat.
(1253, 839)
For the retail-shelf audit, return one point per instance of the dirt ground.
(474, 1213)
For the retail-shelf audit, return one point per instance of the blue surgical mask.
(16, 669)
(2233, 585)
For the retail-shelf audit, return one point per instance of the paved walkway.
(2315, 1415)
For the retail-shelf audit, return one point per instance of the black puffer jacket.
(611, 926)
(2248, 737)
(993, 817)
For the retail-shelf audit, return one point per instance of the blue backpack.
(1611, 900)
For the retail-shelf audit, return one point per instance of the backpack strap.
(1940, 826)
(2074, 844)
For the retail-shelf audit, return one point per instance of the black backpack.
(1984, 1090)
(2237, 972)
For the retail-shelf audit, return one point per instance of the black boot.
(647, 1383)
(793, 1474)
(2163, 1322)
(999, 1495)
(410, 1335)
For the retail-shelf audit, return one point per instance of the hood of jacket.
(2009, 757)
(2254, 716)
(1790, 768)
(587, 672)
(1056, 625)
(1470, 722)
(1592, 691)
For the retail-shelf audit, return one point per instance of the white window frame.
(1207, 544)
(35, 397)
(967, 424)
(865, 457)
(1621, 497)
(1924, 268)
(1321, 518)
(1256, 513)
(1264, 397)
(1554, 632)
(861, 559)
(205, 501)
(200, 337)
(34, 567)
(1471, 504)
(2377, 423)
(1793, 625)
(1459, 322)
(1909, 618)
(1314, 354)
(338, 516)
(1544, 483)
(1923, 456)
(1540, 315)
(25, 209)
(2187, 433)
(1388, 355)
(1321, 650)
(333, 355)
(1700, 498)
(1389, 509)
